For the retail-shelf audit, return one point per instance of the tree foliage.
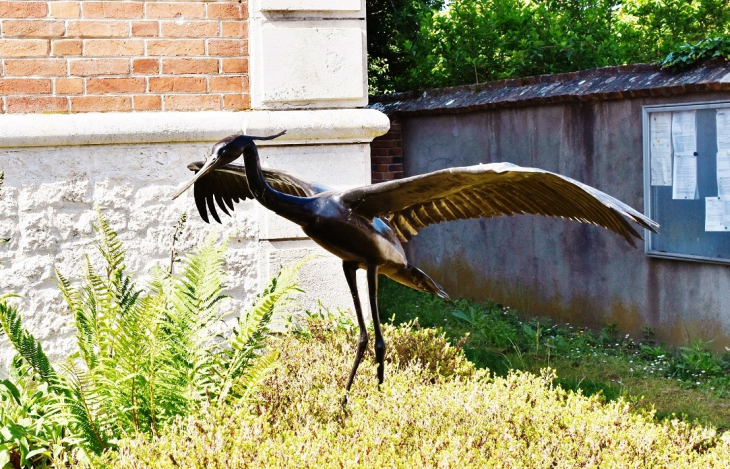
(471, 41)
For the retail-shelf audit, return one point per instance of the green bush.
(144, 358)
(418, 418)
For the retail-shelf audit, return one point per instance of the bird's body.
(366, 226)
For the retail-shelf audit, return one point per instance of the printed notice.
(685, 176)
(661, 148)
(684, 132)
(717, 214)
(723, 129)
(723, 174)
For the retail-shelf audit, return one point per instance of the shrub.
(417, 419)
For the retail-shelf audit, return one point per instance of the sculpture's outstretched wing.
(228, 185)
(491, 190)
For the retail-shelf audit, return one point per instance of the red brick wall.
(386, 154)
(84, 56)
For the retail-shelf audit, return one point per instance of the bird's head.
(223, 153)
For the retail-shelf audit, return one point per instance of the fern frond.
(248, 336)
(255, 375)
(109, 245)
(26, 345)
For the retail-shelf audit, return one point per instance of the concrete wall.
(552, 267)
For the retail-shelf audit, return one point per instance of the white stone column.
(307, 58)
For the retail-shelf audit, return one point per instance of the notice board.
(687, 180)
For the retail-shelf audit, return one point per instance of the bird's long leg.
(379, 341)
(350, 269)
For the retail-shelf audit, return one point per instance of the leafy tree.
(392, 26)
(471, 41)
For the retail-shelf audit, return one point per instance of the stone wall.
(103, 56)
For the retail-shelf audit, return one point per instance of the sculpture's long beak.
(210, 163)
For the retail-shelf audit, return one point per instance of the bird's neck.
(289, 207)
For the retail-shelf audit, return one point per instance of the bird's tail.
(417, 279)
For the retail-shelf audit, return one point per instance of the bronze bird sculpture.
(365, 226)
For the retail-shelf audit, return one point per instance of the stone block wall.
(103, 56)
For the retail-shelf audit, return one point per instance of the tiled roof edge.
(627, 81)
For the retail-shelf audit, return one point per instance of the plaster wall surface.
(553, 267)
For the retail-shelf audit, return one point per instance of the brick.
(145, 66)
(88, 67)
(14, 9)
(177, 84)
(146, 102)
(145, 28)
(176, 47)
(228, 84)
(192, 102)
(101, 103)
(68, 85)
(97, 28)
(189, 29)
(235, 65)
(113, 9)
(234, 29)
(9, 86)
(189, 66)
(113, 47)
(236, 102)
(175, 10)
(226, 11)
(227, 47)
(31, 67)
(115, 85)
(33, 28)
(64, 9)
(66, 47)
(24, 47)
(33, 104)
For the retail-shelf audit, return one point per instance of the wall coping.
(607, 83)
(303, 127)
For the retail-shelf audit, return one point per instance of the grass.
(689, 383)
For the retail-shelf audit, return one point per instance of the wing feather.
(227, 185)
(491, 190)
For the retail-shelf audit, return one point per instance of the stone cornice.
(303, 127)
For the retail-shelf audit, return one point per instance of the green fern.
(147, 356)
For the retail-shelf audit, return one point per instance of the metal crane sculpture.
(365, 226)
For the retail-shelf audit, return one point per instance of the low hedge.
(434, 410)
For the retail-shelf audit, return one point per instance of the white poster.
(684, 132)
(717, 214)
(660, 128)
(723, 174)
(723, 129)
(685, 177)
